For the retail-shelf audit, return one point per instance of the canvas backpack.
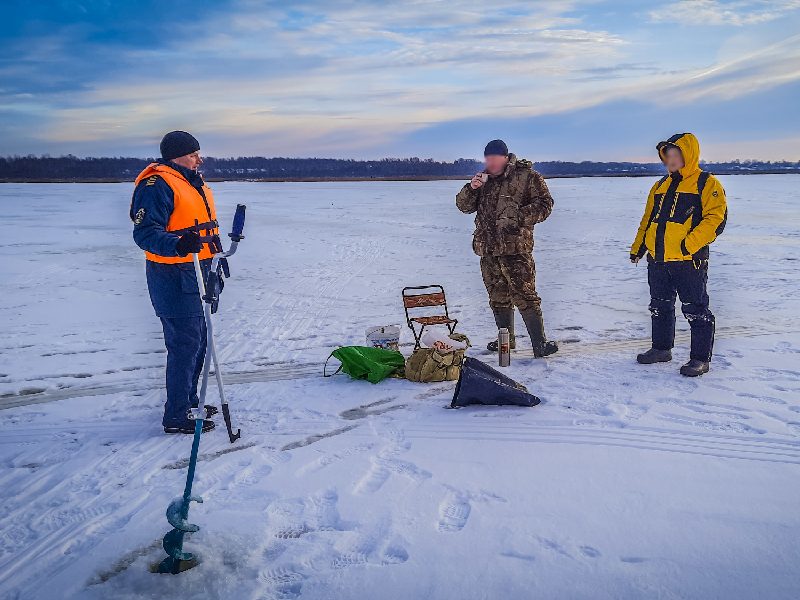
(428, 365)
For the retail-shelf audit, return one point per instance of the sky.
(557, 80)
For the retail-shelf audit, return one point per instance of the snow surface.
(626, 482)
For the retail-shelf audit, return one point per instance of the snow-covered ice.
(626, 482)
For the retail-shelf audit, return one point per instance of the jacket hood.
(690, 148)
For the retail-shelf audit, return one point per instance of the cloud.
(364, 67)
(349, 77)
(711, 12)
(625, 129)
(767, 67)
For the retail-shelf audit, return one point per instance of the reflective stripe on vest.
(190, 210)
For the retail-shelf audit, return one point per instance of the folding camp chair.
(423, 300)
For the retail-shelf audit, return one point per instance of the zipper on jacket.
(661, 223)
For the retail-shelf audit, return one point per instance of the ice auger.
(178, 510)
(210, 292)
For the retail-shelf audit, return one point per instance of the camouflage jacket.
(508, 207)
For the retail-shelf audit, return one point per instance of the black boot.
(504, 318)
(694, 368)
(654, 355)
(535, 325)
(188, 426)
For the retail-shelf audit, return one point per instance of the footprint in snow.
(382, 469)
(329, 458)
(455, 509)
(275, 457)
(351, 549)
(437, 391)
(374, 545)
(369, 410)
(374, 479)
(250, 474)
(292, 517)
(519, 555)
(453, 512)
(552, 546)
(634, 411)
(589, 551)
(282, 582)
(389, 432)
(785, 348)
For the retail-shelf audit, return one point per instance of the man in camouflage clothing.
(509, 198)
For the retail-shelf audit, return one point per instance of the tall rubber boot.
(504, 318)
(535, 325)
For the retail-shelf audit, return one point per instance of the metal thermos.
(503, 348)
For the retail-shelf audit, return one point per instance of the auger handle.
(238, 223)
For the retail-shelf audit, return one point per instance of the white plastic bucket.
(387, 337)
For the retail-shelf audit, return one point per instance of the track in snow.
(642, 438)
(294, 370)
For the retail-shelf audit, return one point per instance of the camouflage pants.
(511, 281)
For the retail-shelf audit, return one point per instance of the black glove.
(189, 243)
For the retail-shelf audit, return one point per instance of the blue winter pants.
(185, 339)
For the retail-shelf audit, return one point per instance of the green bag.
(363, 362)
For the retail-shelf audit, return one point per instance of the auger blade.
(175, 514)
(173, 544)
(169, 565)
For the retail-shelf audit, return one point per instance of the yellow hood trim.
(689, 147)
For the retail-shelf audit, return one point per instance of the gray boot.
(535, 325)
(504, 318)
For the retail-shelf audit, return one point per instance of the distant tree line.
(70, 168)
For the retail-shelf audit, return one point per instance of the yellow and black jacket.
(686, 211)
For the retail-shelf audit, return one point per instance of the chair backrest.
(423, 300)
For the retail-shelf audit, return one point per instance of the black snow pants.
(687, 279)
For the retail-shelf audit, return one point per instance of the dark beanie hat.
(178, 143)
(496, 147)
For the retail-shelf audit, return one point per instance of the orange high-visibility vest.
(190, 209)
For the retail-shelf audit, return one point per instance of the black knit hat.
(496, 147)
(178, 143)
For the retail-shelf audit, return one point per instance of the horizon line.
(385, 158)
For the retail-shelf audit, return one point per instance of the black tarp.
(481, 384)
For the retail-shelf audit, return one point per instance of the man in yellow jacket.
(686, 211)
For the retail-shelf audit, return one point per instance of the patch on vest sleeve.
(715, 193)
(151, 180)
(139, 217)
